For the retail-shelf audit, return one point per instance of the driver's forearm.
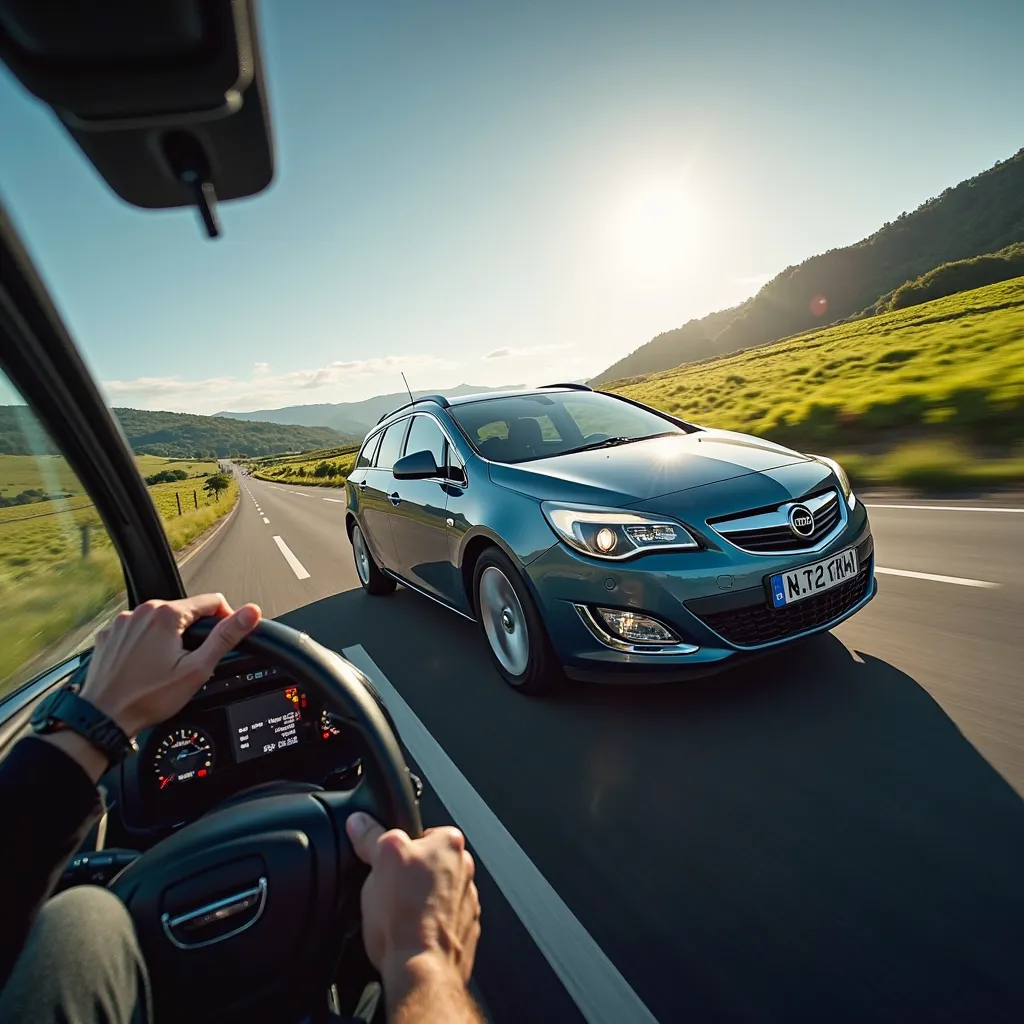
(424, 991)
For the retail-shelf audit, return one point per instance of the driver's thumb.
(364, 832)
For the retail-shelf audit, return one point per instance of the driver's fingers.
(364, 833)
(192, 608)
(227, 634)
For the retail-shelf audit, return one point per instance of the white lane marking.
(961, 580)
(299, 494)
(338, 501)
(948, 508)
(598, 989)
(297, 567)
(266, 520)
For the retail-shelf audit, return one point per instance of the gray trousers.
(81, 965)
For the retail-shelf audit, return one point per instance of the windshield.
(520, 428)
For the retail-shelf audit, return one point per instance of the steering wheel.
(245, 913)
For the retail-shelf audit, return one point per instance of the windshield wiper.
(614, 442)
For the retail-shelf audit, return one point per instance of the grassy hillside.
(183, 435)
(951, 369)
(981, 215)
(950, 278)
(327, 467)
(47, 587)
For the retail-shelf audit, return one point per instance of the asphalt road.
(835, 833)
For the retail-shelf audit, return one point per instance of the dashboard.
(249, 724)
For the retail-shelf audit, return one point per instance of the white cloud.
(264, 390)
(529, 350)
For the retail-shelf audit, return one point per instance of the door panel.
(418, 517)
(374, 489)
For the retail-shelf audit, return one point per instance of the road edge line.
(601, 993)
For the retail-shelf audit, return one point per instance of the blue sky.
(513, 192)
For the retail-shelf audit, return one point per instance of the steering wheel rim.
(260, 896)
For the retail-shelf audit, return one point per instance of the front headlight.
(844, 480)
(615, 533)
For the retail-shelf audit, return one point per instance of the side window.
(425, 436)
(391, 445)
(60, 577)
(366, 452)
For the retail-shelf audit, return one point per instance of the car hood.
(637, 473)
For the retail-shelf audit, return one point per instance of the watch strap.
(66, 708)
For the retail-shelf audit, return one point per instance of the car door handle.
(395, 498)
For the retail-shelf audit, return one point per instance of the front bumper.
(716, 601)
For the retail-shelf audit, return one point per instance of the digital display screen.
(266, 723)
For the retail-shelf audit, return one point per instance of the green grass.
(940, 465)
(951, 368)
(301, 469)
(47, 588)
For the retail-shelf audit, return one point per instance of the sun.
(655, 228)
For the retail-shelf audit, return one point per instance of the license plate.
(808, 580)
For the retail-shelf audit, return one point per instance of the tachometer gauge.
(184, 756)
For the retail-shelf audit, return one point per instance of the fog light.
(605, 540)
(636, 628)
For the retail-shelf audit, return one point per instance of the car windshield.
(519, 428)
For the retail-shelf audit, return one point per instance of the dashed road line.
(266, 520)
(337, 501)
(297, 567)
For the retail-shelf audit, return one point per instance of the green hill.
(185, 435)
(951, 278)
(952, 367)
(978, 216)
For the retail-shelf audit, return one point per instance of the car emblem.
(801, 522)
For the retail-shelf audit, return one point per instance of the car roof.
(439, 401)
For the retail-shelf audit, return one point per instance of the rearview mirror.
(166, 98)
(417, 466)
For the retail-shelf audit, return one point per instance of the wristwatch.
(66, 710)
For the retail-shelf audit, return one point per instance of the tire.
(515, 633)
(370, 576)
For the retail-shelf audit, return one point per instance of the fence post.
(85, 528)
(195, 498)
(177, 498)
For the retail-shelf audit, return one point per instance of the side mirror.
(417, 466)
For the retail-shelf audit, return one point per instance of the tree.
(217, 483)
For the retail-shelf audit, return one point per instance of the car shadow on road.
(806, 837)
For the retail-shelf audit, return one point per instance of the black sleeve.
(47, 806)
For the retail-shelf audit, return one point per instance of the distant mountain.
(353, 418)
(978, 216)
(186, 436)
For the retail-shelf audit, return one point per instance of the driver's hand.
(420, 900)
(141, 673)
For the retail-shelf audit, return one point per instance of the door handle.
(395, 498)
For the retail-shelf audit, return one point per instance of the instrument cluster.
(242, 729)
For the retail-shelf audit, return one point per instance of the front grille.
(760, 624)
(777, 536)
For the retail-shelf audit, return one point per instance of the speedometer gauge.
(184, 756)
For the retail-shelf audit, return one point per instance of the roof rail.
(571, 387)
(438, 399)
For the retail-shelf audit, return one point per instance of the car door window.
(391, 445)
(60, 577)
(365, 459)
(425, 436)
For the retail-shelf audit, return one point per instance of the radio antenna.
(407, 388)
